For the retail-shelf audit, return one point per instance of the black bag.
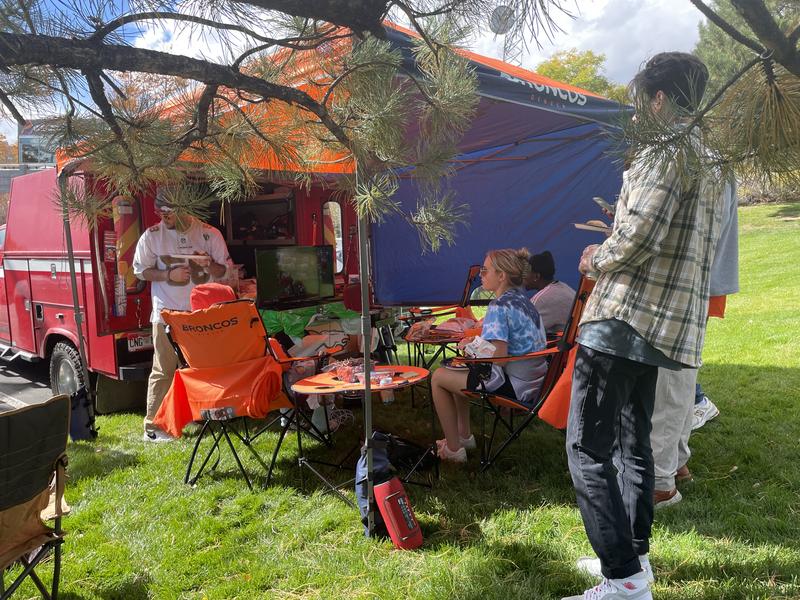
(81, 422)
(406, 455)
(383, 471)
(390, 453)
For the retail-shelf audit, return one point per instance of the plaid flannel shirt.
(653, 270)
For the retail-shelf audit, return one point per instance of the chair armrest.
(499, 360)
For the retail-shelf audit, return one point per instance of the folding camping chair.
(226, 375)
(33, 443)
(503, 408)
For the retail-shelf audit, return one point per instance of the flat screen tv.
(294, 273)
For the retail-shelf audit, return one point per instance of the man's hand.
(585, 266)
(179, 274)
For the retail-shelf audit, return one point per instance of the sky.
(627, 32)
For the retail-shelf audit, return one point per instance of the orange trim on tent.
(505, 67)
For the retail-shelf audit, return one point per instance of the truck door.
(20, 310)
(5, 331)
(123, 301)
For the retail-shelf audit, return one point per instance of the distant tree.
(584, 69)
(8, 151)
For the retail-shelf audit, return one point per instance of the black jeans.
(610, 459)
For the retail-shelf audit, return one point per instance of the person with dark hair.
(648, 310)
(554, 298)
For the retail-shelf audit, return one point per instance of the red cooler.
(398, 515)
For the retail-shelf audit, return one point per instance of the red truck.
(37, 320)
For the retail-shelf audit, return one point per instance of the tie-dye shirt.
(512, 318)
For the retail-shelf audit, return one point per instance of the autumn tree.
(585, 69)
(8, 151)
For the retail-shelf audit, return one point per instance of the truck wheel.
(66, 371)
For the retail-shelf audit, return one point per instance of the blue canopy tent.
(531, 162)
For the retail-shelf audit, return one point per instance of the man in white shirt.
(554, 299)
(172, 280)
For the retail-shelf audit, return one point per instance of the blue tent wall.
(527, 194)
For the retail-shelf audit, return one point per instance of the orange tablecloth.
(328, 383)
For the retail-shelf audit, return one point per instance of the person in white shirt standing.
(171, 283)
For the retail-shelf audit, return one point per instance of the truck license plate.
(140, 342)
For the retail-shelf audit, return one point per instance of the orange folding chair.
(33, 444)
(226, 376)
(503, 408)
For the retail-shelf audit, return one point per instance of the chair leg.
(56, 570)
(514, 435)
(194, 451)
(214, 446)
(284, 429)
(235, 455)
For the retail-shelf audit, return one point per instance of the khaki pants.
(165, 361)
(672, 424)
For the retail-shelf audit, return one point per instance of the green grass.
(136, 531)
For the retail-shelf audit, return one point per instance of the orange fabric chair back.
(558, 383)
(206, 295)
(217, 336)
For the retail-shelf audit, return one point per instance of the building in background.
(34, 143)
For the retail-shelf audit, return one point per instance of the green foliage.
(584, 69)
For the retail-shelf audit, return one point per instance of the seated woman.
(514, 327)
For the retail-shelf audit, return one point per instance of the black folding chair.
(33, 443)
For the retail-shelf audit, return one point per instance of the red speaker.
(395, 508)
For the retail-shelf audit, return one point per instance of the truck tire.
(66, 370)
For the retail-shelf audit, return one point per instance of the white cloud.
(8, 128)
(626, 31)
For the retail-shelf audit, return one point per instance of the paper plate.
(447, 363)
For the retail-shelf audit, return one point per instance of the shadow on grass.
(784, 211)
(130, 590)
(97, 459)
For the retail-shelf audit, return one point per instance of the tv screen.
(288, 273)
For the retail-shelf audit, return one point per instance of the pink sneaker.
(457, 456)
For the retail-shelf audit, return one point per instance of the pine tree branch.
(727, 27)
(26, 49)
(361, 16)
(99, 97)
(758, 17)
(12, 109)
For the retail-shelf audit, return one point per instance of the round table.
(329, 383)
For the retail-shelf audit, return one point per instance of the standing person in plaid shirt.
(648, 310)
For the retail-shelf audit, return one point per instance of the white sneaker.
(590, 565)
(457, 456)
(468, 443)
(157, 436)
(630, 588)
(704, 411)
